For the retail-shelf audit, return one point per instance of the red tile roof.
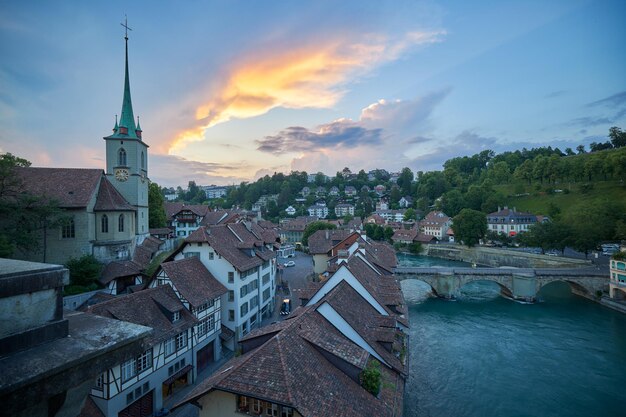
(109, 199)
(70, 187)
(194, 282)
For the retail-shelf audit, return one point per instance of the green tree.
(84, 271)
(409, 215)
(24, 218)
(156, 207)
(469, 226)
(405, 180)
(314, 227)
(618, 137)
(452, 202)
(371, 377)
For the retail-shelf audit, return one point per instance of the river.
(484, 355)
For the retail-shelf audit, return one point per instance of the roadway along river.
(484, 355)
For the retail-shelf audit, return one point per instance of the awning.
(178, 374)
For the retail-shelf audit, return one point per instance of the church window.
(105, 223)
(143, 161)
(120, 223)
(121, 157)
(68, 231)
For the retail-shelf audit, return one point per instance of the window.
(176, 316)
(271, 410)
(244, 309)
(144, 361)
(256, 406)
(104, 222)
(129, 370)
(121, 157)
(100, 382)
(211, 256)
(266, 295)
(254, 301)
(286, 412)
(129, 398)
(243, 291)
(231, 315)
(242, 404)
(266, 264)
(266, 278)
(68, 231)
(206, 326)
(231, 295)
(181, 340)
(200, 244)
(120, 223)
(191, 254)
(231, 277)
(249, 272)
(143, 161)
(170, 347)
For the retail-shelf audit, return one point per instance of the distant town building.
(344, 209)
(291, 230)
(318, 210)
(380, 189)
(334, 191)
(213, 191)
(349, 191)
(405, 202)
(617, 281)
(510, 222)
(436, 223)
(391, 216)
(290, 211)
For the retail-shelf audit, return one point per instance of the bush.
(371, 377)
(415, 247)
(84, 271)
(585, 188)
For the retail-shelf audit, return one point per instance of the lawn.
(538, 201)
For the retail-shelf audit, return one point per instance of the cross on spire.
(125, 25)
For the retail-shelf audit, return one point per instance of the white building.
(242, 258)
(213, 191)
(396, 216)
(436, 223)
(510, 222)
(319, 211)
(290, 211)
(137, 386)
(342, 210)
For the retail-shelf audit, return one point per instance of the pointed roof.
(109, 199)
(127, 118)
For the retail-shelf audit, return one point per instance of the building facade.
(510, 222)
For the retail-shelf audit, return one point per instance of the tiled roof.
(147, 309)
(142, 256)
(435, 218)
(109, 199)
(240, 247)
(119, 269)
(405, 235)
(194, 282)
(213, 217)
(152, 243)
(323, 241)
(70, 187)
(292, 368)
(171, 208)
(161, 231)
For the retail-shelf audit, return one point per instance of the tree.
(405, 180)
(24, 218)
(580, 149)
(469, 226)
(452, 202)
(618, 137)
(314, 227)
(156, 207)
(409, 215)
(84, 270)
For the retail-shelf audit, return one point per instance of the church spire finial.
(127, 119)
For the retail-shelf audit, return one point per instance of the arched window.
(121, 157)
(143, 161)
(105, 223)
(120, 223)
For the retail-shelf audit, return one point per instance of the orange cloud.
(314, 76)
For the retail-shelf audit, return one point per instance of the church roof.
(109, 199)
(70, 187)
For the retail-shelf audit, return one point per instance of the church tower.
(127, 158)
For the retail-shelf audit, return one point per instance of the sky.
(228, 91)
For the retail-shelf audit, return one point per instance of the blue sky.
(227, 91)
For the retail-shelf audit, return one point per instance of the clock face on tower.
(121, 174)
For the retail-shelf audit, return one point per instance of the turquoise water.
(484, 355)
(427, 261)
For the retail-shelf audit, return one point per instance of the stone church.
(107, 210)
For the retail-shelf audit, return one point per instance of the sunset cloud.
(313, 76)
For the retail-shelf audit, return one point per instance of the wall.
(501, 257)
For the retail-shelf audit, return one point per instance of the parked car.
(290, 263)
(285, 307)
(552, 253)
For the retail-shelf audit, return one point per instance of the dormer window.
(175, 316)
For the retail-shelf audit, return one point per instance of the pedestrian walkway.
(190, 410)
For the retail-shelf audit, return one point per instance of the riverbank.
(496, 257)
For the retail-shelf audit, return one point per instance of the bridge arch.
(424, 281)
(617, 293)
(573, 286)
(505, 288)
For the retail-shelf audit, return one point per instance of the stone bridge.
(517, 283)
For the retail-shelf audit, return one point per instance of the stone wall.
(496, 257)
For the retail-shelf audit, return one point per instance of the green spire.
(127, 119)
(116, 127)
(138, 126)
